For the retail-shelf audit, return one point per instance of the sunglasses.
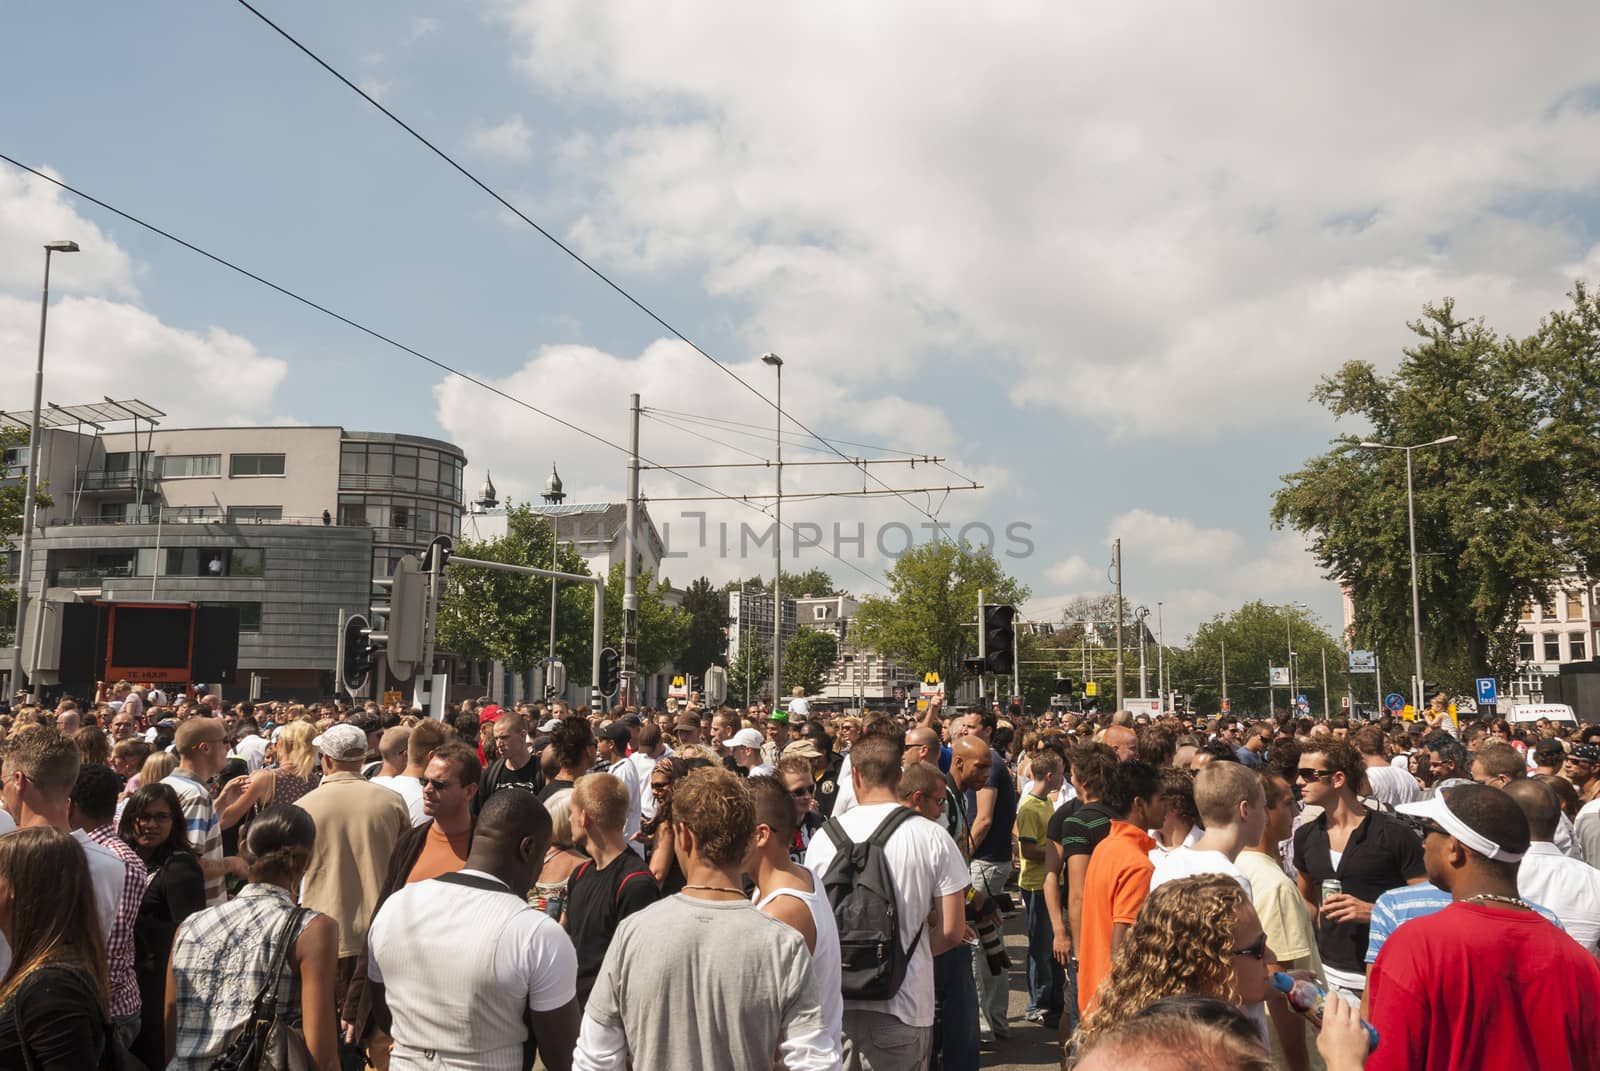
(1306, 773)
(1256, 949)
(437, 785)
(1428, 827)
(802, 792)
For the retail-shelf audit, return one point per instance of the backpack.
(860, 890)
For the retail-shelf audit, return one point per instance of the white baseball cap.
(745, 738)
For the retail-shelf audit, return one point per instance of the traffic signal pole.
(630, 569)
(1116, 551)
(983, 653)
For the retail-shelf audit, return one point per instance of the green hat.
(780, 716)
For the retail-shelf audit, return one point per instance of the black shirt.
(598, 898)
(500, 775)
(53, 1020)
(996, 844)
(552, 787)
(1381, 854)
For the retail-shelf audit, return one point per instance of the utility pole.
(776, 363)
(1144, 678)
(630, 569)
(1016, 657)
(1326, 714)
(553, 496)
(1377, 677)
(1288, 637)
(1161, 657)
(1224, 671)
(983, 649)
(1116, 552)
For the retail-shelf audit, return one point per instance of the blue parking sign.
(1488, 693)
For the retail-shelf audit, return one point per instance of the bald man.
(1123, 740)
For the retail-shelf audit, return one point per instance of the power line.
(372, 333)
(596, 272)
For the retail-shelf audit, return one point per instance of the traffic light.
(972, 665)
(998, 637)
(716, 685)
(610, 671)
(405, 617)
(1063, 686)
(355, 654)
(438, 550)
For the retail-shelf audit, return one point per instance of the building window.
(188, 466)
(189, 514)
(255, 465)
(1525, 651)
(213, 561)
(1527, 611)
(1552, 647)
(1575, 606)
(254, 514)
(1577, 647)
(15, 463)
(249, 614)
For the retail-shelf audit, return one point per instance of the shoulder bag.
(268, 1042)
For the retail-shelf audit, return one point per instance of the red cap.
(488, 714)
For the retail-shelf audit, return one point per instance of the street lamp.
(553, 496)
(1411, 522)
(773, 361)
(25, 549)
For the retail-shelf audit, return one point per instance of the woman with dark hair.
(153, 826)
(223, 955)
(663, 859)
(53, 997)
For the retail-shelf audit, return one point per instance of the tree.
(707, 642)
(1505, 516)
(813, 581)
(1256, 637)
(13, 496)
(933, 594)
(807, 656)
(750, 675)
(663, 629)
(485, 614)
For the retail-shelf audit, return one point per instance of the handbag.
(267, 1042)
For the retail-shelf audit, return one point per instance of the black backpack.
(861, 892)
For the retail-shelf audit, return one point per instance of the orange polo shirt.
(1114, 889)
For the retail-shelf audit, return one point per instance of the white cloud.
(509, 140)
(376, 88)
(1130, 211)
(1073, 570)
(100, 341)
(1171, 541)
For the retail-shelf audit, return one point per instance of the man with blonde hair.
(1233, 808)
(202, 749)
(614, 885)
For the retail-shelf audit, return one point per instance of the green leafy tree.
(663, 629)
(1255, 638)
(13, 496)
(1505, 516)
(933, 594)
(813, 581)
(485, 614)
(750, 675)
(807, 656)
(707, 642)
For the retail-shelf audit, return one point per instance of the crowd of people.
(723, 888)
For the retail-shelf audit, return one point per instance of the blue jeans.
(1041, 978)
(955, 1012)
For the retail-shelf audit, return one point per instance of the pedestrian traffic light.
(998, 637)
(974, 666)
(1063, 686)
(610, 671)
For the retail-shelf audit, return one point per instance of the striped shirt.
(220, 962)
(1409, 902)
(205, 829)
(119, 942)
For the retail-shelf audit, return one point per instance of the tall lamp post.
(775, 362)
(1411, 523)
(25, 548)
(553, 496)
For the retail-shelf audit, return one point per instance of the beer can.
(1331, 887)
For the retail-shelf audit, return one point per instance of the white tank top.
(825, 957)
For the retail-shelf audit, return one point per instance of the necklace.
(1491, 898)
(715, 888)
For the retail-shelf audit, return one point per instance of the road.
(1031, 1047)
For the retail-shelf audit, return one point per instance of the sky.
(1095, 255)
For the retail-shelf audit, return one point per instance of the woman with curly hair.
(1197, 936)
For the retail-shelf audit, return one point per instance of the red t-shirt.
(1475, 986)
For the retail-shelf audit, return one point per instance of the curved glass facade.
(407, 488)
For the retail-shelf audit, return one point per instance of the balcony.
(117, 479)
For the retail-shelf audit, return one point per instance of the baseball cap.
(686, 721)
(803, 748)
(616, 732)
(1437, 810)
(1586, 752)
(550, 726)
(745, 738)
(488, 714)
(342, 742)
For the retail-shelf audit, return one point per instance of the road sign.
(1395, 702)
(1488, 692)
(1278, 676)
(931, 685)
(393, 698)
(1363, 662)
(1344, 702)
(678, 688)
(1091, 689)
(1302, 704)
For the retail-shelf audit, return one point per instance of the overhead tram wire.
(373, 333)
(596, 272)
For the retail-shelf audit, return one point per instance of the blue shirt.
(1414, 902)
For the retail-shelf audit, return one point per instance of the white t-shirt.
(800, 708)
(1186, 862)
(253, 750)
(1569, 887)
(646, 766)
(926, 866)
(1393, 785)
(845, 800)
(107, 874)
(625, 771)
(410, 790)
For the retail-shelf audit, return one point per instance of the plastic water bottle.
(1307, 998)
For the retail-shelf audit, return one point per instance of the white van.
(1526, 712)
